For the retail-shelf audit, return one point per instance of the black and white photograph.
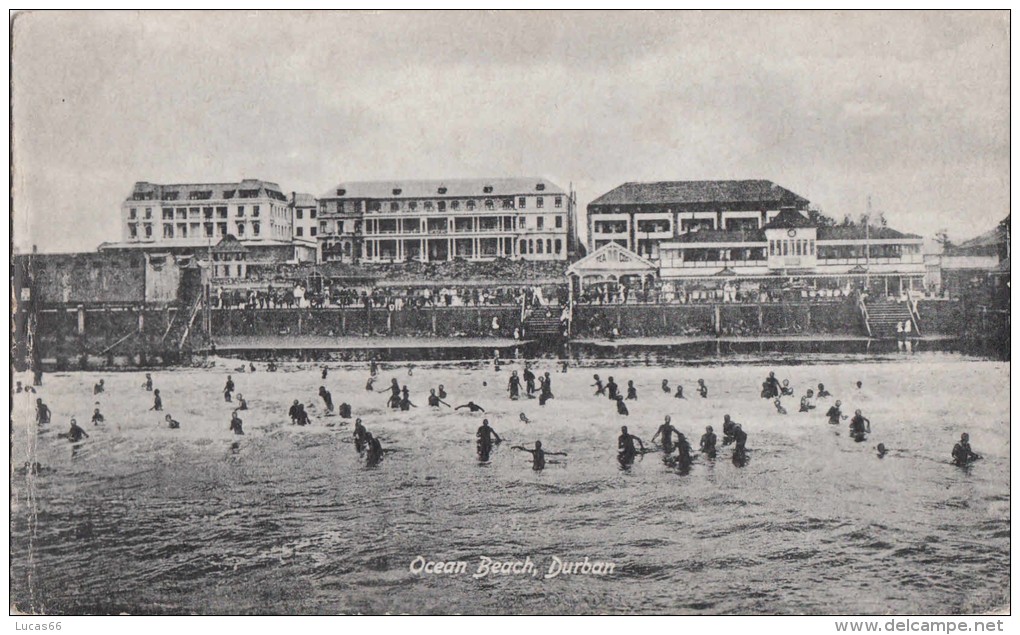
(644, 313)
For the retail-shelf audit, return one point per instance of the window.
(811, 247)
(311, 212)
(558, 201)
(208, 230)
(148, 213)
(168, 213)
(300, 231)
(559, 246)
(540, 186)
(255, 211)
(412, 205)
(471, 205)
(133, 213)
(240, 211)
(133, 230)
(442, 190)
(559, 222)
(322, 227)
(182, 230)
(221, 212)
(487, 189)
(454, 204)
(772, 248)
(397, 191)
(395, 206)
(194, 212)
(441, 206)
(168, 231)
(539, 245)
(428, 206)
(299, 214)
(340, 226)
(182, 213)
(240, 229)
(312, 230)
(508, 203)
(540, 222)
(255, 227)
(522, 222)
(489, 204)
(548, 245)
(522, 202)
(539, 202)
(221, 229)
(148, 230)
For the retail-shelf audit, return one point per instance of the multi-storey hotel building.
(442, 220)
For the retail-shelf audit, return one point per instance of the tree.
(942, 238)
(817, 217)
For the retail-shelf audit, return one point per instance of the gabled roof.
(443, 188)
(229, 244)
(789, 219)
(860, 233)
(198, 192)
(764, 192)
(611, 256)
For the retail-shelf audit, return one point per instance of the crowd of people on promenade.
(391, 298)
(676, 448)
(735, 292)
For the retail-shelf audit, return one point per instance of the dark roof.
(858, 232)
(722, 236)
(789, 219)
(991, 238)
(195, 193)
(229, 244)
(685, 192)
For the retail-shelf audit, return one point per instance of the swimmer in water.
(294, 412)
(484, 436)
(42, 412)
(472, 406)
(545, 389)
(98, 388)
(441, 392)
(18, 388)
(631, 390)
(702, 389)
(374, 451)
(529, 380)
(708, 442)
(822, 392)
(524, 418)
(147, 384)
(405, 403)
(241, 403)
(157, 401)
(325, 372)
(373, 368)
(537, 455)
(236, 423)
(621, 407)
(859, 426)
(327, 398)
(881, 450)
(665, 386)
(76, 433)
(962, 454)
(683, 453)
(786, 390)
(612, 390)
(434, 399)
(679, 392)
(860, 385)
(835, 414)
(666, 431)
(625, 444)
(779, 407)
(514, 385)
(172, 423)
(394, 389)
(805, 401)
(370, 384)
(600, 390)
(271, 367)
(228, 388)
(359, 436)
(97, 417)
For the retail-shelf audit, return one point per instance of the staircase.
(539, 325)
(883, 316)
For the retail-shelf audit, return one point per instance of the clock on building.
(791, 233)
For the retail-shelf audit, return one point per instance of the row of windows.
(300, 231)
(205, 229)
(532, 246)
(469, 204)
(799, 247)
(183, 213)
(299, 213)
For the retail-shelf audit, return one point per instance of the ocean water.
(142, 519)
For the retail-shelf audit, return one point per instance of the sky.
(909, 108)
